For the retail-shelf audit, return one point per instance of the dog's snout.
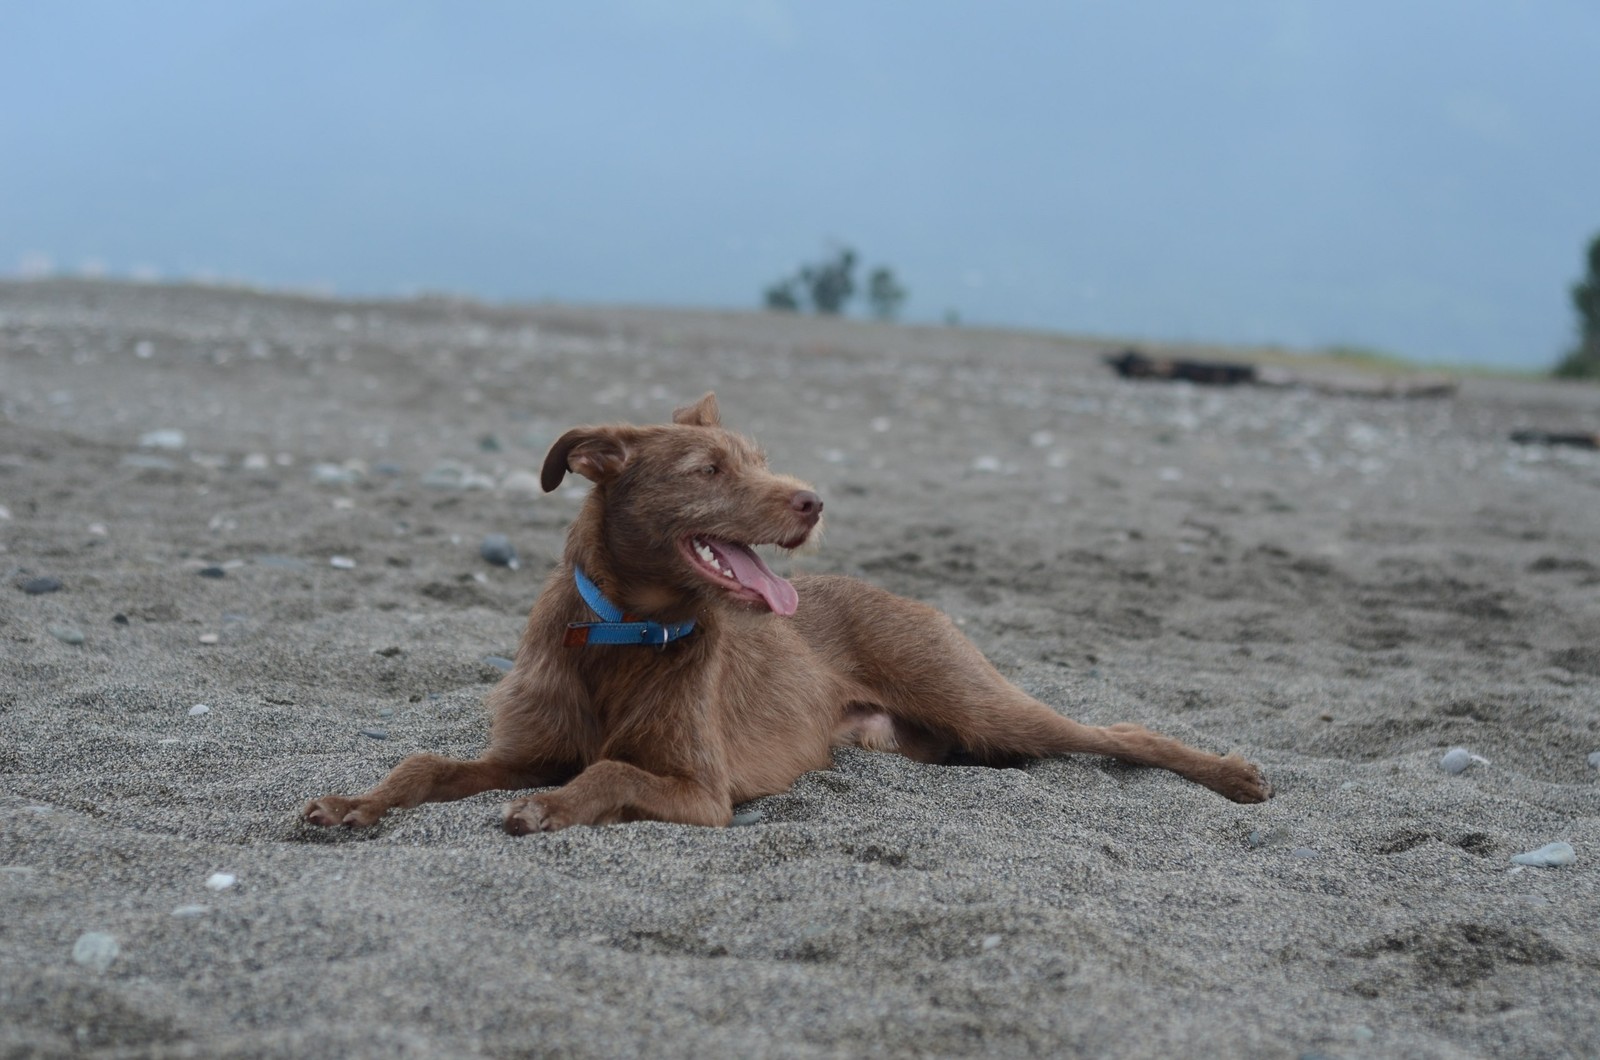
(804, 502)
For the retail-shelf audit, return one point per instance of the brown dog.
(733, 681)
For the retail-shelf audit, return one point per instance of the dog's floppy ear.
(597, 453)
(702, 413)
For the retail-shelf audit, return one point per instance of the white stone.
(95, 950)
(166, 438)
(1551, 855)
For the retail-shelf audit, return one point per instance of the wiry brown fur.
(750, 700)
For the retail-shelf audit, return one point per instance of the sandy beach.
(240, 533)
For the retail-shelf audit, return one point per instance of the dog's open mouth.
(743, 574)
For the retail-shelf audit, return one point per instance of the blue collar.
(617, 628)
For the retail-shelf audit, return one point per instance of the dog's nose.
(806, 503)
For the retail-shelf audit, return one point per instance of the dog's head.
(682, 505)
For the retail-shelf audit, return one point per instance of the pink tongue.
(754, 574)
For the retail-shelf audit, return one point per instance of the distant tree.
(884, 293)
(1584, 361)
(829, 285)
(832, 283)
(782, 296)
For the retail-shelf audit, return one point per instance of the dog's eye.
(709, 469)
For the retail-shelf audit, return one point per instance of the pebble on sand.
(220, 881)
(187, 911)
(95, 950)
(166, 438)
(342, 563)
(1456, 760)
(499, 662)
(39, 586)
(199, 709)
(375, 733)
(1594, 759)
(1551, 855)
(497, 549)
(334, 475)
(212, 572)
(209, 638)
(66, 634)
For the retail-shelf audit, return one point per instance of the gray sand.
(1340, 588)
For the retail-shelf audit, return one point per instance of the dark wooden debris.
(1132, 364)
(1576, 439)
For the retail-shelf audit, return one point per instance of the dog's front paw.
(1243, 781)
(338, 809)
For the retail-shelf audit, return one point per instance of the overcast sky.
(1420, 177)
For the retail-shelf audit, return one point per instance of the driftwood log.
(1132, 364)
(1576, 439)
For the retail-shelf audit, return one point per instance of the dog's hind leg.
(429, 778)
(1015, 724)
(931, 676)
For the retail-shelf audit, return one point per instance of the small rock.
(499, 662)
(991, 942)
(281, 562)
(220, 881)
(1594, 759)
(1305, 852)
(189, 911)
(522, 482)
(334, 475)
(987, 464)
(342, 563)
(489, 444)
(147, 462)
(390, 652)
(39, 586)
(199, 709)
(748, 817)
(1262, 838)
(120, 619)
(375, 733)
(209, 638)
(98, 529)
(385, 712)
(496, 548)
(1457, 759)
(167, 438)
(66, 634)
(1551, 855)
(95, 950)
(212, 572)
(444, 477)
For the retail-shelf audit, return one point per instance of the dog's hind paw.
(338, 809)
(1243, 782)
